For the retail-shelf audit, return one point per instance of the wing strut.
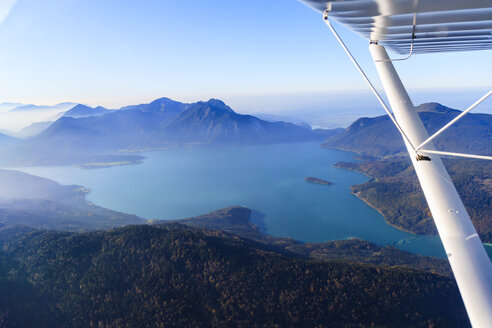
(417, 149)
(364, 76)
(455, 120)
(470, 263)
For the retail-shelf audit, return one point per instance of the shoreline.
(365, 200)
(102, 165)
(384, 217)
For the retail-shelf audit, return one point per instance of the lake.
(184, 182)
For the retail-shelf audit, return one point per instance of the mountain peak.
(161, 106)
(216, 102)
(80, 110)
(80, 106)
(215, 105)
(164, 100)
(434, 107)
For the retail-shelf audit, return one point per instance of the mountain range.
(166, 122)
(58, 107)
(15, 117)
(84, 131)
(378, 137)
(80, 134)
(85, 111)
(6, 106)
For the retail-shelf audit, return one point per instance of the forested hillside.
(173, 275)
(378, 137)
(395, 191)
(238, 221)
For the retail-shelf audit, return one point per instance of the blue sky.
(255, 54)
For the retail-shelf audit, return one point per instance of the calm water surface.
(178, 183)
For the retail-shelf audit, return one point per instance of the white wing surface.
(440, 25)
(426, 26)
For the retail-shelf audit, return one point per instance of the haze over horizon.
(320, 110)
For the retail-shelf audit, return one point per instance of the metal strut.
(456, 119)
(411, 43)
(450, 154)
(364, 76)
(417, 150)
(470, 263)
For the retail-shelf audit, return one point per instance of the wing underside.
(430, 25)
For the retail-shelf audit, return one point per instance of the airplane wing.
(426, 26)
(434, 25)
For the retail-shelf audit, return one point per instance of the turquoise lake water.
(183, 182)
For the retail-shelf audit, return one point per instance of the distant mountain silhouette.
(6, 106)
(61, 106)
(165, 107)
(434, 107)
(13, 120)
(33, 129)
(378, 137)
(213, 122)
(165, 121)
(85, 111)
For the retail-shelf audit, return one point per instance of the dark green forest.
(238, 221)
(173, 275)
(395, 191)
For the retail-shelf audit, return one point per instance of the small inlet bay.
(270, 179)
